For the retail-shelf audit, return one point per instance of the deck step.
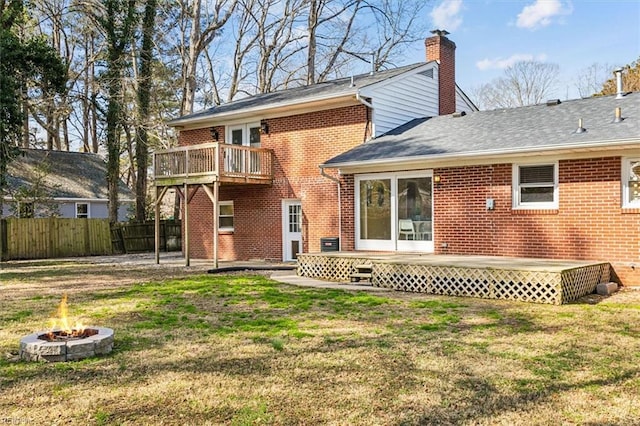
(363, 272)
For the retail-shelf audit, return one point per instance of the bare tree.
(398, 24)
(199, 30)
(330, 25)
(523, 83)
(590, 80)
(118, 23)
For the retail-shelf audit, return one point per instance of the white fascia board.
(273, 110)
(624, 146)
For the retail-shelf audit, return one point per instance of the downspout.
(369, 105)
(337, 181)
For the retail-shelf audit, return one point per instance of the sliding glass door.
(394, 211)
(375, 211)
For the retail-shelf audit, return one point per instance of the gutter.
(337, 181)
(363, 101)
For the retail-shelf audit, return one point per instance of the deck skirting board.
(554, 286)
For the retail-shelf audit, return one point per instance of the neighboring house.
(259, 171)
(74, 181)
(558, 180)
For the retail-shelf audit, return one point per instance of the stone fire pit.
(55, 346)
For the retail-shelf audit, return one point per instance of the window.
(82, 210)
(25, 210)
(225, 216)
(631, 182)
(535, 186)
(295, 218)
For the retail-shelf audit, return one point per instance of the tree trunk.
(312, 24)
(144, 96)
(118, 25)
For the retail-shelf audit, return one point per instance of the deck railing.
(212, 161)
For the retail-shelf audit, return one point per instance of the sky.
(492, 34)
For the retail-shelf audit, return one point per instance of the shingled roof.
(301, 94)
(72, 175)
(532, 129)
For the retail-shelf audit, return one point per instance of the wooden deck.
(212, 162)
(490, 277)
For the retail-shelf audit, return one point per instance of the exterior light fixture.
(264, 127)
(214, 134)
(437, 179)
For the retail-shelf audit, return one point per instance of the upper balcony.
(211, 162)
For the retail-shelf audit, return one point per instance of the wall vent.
(427, 73)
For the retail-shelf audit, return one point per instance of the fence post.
(3, 238)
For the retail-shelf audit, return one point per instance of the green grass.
(244, 350)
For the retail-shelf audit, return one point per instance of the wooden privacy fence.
(43, 238)
(136, 237)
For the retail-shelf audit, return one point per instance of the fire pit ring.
(37, 347)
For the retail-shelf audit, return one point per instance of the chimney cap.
(441, 33)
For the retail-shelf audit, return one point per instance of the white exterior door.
(291, 229)
(243, 135)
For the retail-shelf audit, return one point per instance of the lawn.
(199, 349)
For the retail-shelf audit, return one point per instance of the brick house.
(559, 180)
(271, 198)
(402, 161)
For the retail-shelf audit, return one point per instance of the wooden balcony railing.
(210, 162)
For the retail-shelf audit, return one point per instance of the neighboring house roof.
(288, 99)
(71, 175)
(487, 135)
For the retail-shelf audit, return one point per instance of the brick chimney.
(440, 48)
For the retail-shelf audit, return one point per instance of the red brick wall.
(348, 212)
(299, 143)
(197, 136)
(588, 225)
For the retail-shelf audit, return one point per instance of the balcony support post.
(159, 196)
(214, 197)
(185, 199)
(216, 193)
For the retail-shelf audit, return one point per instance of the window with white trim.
(631, 182)
(82, 210)
(225, 216)
(535, 186)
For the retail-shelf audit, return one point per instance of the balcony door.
(394, 211)
(243, 135)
